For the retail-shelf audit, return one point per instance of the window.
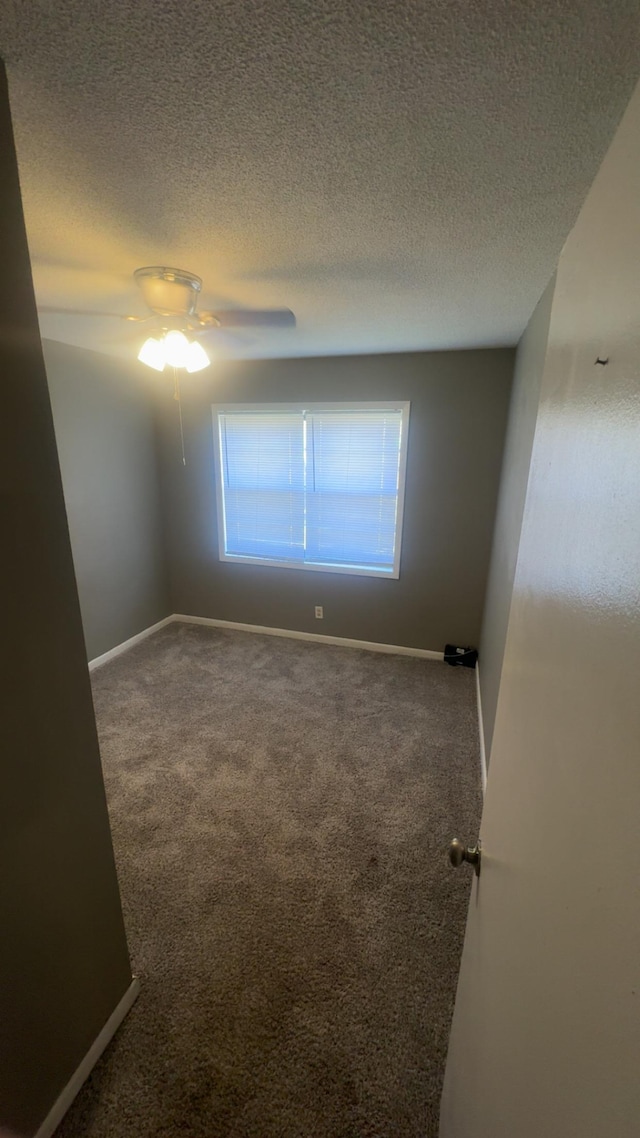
(312, 487)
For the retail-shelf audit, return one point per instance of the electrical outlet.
(319, 612)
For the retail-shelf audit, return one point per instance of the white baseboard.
(126, 644)
(293, 634)
(483, 753)
(318, 638)
(64, 1100)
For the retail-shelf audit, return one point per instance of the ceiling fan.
(171, 295)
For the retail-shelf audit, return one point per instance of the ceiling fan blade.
(83, 312)
(221, 336)
(253, 317)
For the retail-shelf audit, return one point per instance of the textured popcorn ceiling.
(402, 174)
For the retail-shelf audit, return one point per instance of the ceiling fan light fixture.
(196, 358)
(176, 348)
(152, 354)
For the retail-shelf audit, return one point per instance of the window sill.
(391, 573)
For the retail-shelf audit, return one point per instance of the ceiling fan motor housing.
(168, 292)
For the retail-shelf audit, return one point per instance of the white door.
(546, 1033)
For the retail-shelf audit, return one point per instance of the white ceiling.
(402, 174)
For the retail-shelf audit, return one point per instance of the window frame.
(403, 406)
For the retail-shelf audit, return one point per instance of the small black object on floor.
(467, 657)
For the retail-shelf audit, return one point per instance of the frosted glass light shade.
(176, 347)
(197, 358)
(152, 354)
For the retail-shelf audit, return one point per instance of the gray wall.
(103, 416)
(513, 488)
(459, 405)
(63, 956)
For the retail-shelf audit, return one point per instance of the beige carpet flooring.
(281, 813)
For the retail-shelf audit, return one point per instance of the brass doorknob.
(458, 853)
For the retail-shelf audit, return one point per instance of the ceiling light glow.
(197, 358)
(176, 347)
(152, 354)
(173, 349)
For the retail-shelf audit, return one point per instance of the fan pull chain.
(176, 396)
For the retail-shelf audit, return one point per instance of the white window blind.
(263, 463)
(312, 488)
